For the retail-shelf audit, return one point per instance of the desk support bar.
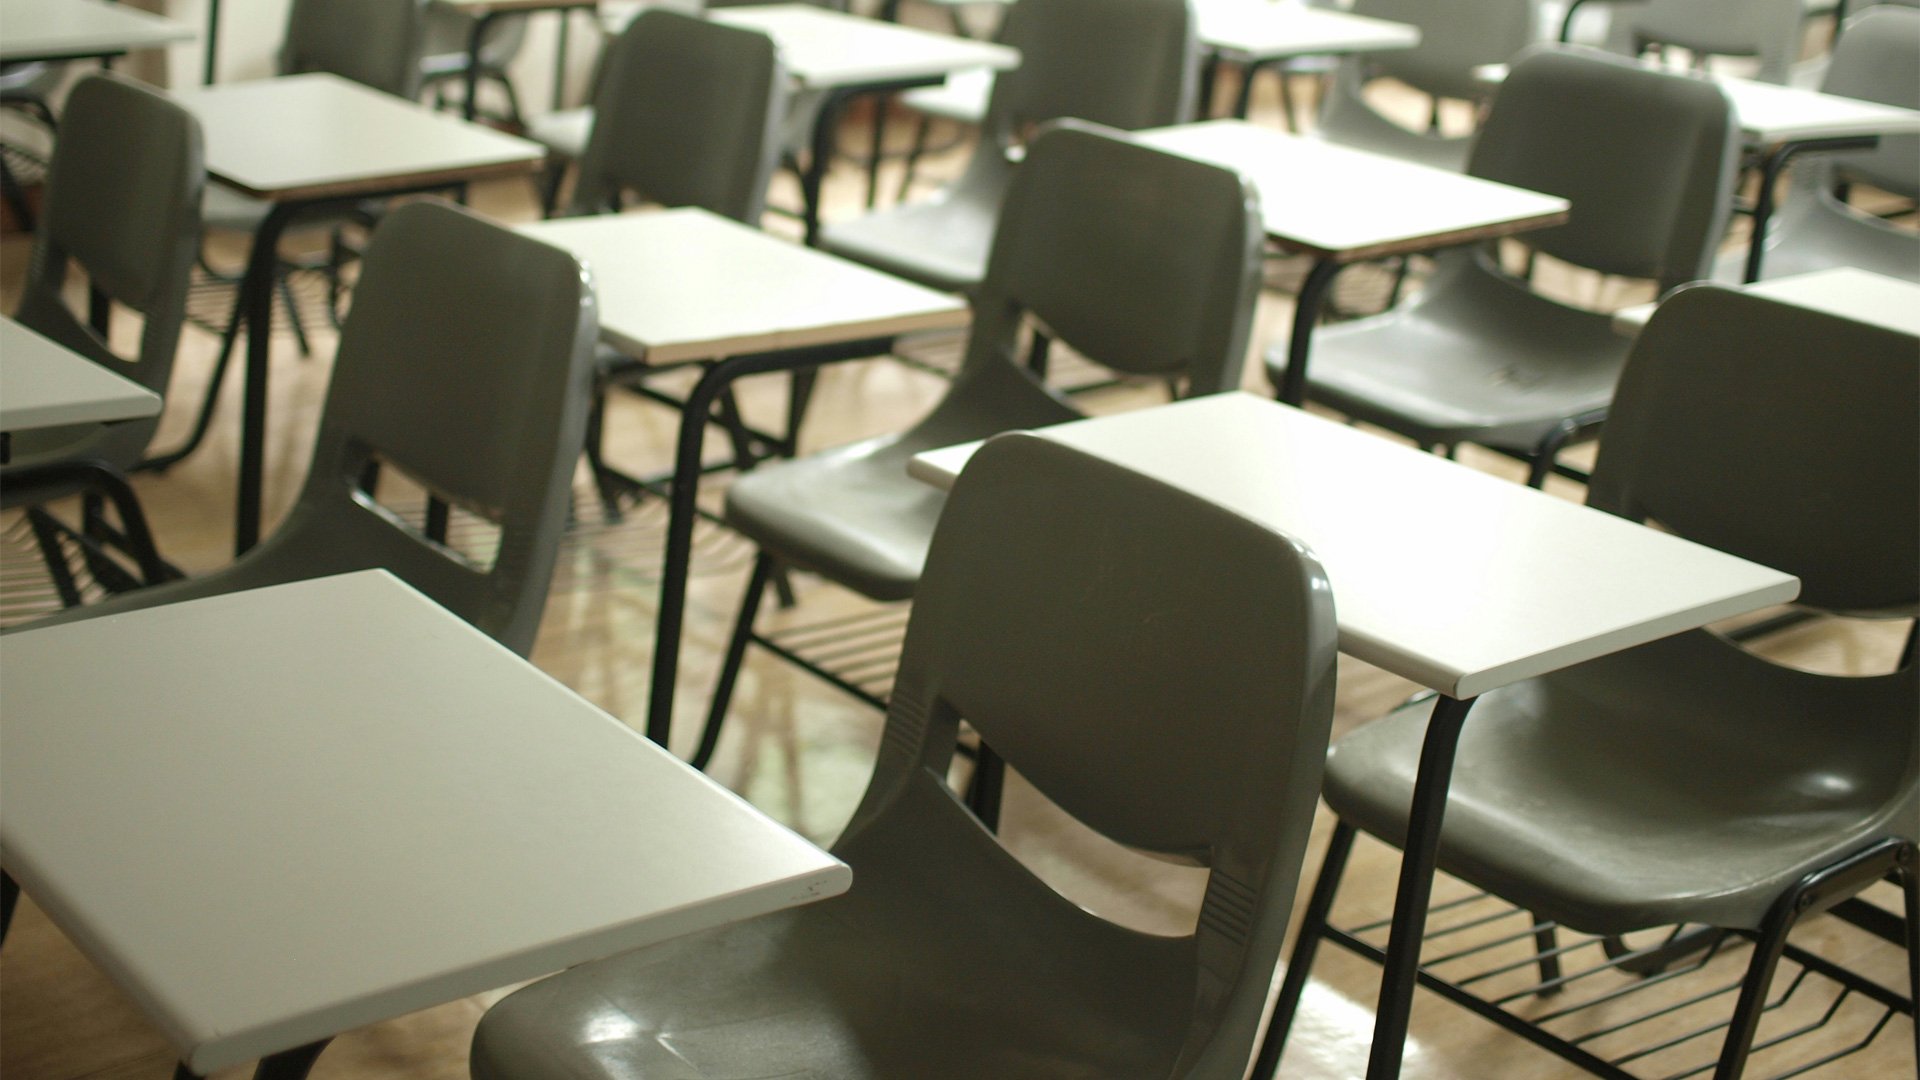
(1770, 169)
(1306, 313)
(1416, 886)
(683, 507)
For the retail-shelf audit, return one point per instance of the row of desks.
(672, 286)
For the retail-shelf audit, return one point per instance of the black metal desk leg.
(292, 1064)
(474, 42)
(256, 295)
(1416, 886)
(1770, 170)
(825, 129)
(1306, 312)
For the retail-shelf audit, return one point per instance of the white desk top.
(1860, 295)
(689, 285)
(1458, 580)
(489, 7)
(823, 49)
(314, 136)
(59, 29)
(281, 814)
(44, 384)
(1769, 114)
(1276, 29)
(1347, 204)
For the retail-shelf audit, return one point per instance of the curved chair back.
(1728, 430)
(1649, 200)
(1144, 261)
(687, 113)
(1163, 669)
(1878, 59)
(466, 364)
(1768, 29)
(373, 42)
(1126, 64)
(123, 202)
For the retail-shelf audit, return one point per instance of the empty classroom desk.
(1504, 583)
(278, 815)
(1342, 205)
(686, 284)
(45, 384)
(842, 57)
(1259, 33)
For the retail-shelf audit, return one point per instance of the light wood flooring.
(797, 748)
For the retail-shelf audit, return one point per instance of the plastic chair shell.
(1477, 356)
(466, 363)
(1172, 293)
(687, 114)
(1159, 666)
(123, 199)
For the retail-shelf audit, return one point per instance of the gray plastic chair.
(1456, 36)
(1171, 294)
(1477, 356)
(447, 37)
(1688, 780)
(465, 365)
(1767, 29)
(123, 202)
(652, 136)
(1122, 63)
(1173, 693)
(1877, 59)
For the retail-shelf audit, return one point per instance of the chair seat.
(961, 99)
(941, 244)
(853, 514)
(565, 132)
(907, 975)
(1474, 357)
(1684, 780)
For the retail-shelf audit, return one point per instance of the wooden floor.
(797, 748)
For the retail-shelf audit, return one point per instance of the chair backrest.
(1878, 59)
(1141, 260)
(1768, 29)
(466, 363)
(1159, 666)
(1456, 36)
(374, 42)
(1782, 435)
(1126, 64)
(687, 113)
(1650, 199)
(123, 203)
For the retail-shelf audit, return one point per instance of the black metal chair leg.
(736, 655)
(9, 899)
(1546, 942)
(284, 287)
(1313, 926)
(914, 152)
